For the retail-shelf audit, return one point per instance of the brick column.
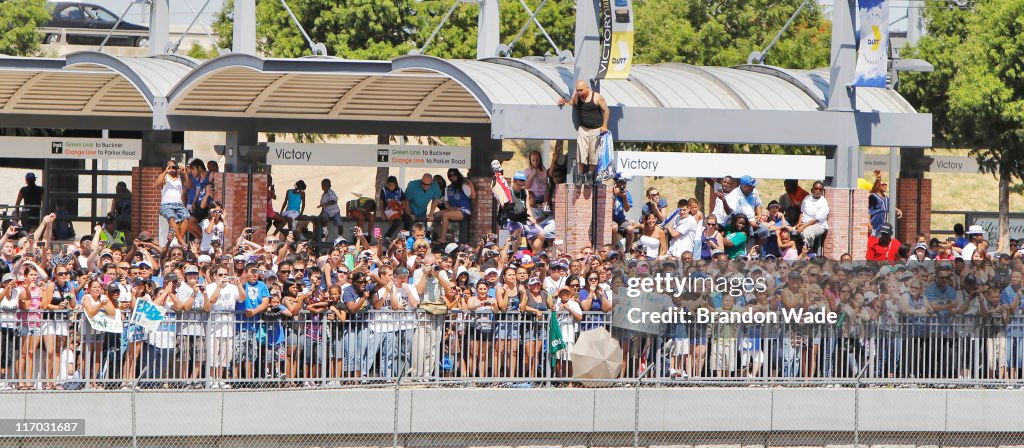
(914, 199)
(145, 201)
(231, 192)
(848, 223)
(482, 220)
(574, 215)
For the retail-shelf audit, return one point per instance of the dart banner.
(873, 50)
(616, 28)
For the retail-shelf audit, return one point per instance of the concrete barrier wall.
(439, 410)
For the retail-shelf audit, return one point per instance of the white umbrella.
(596, 355)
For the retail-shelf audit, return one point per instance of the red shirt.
(882, 252)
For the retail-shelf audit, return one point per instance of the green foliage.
(976, 93)
(18, 22)
(197, 51)
(718, 32)
(384, 29)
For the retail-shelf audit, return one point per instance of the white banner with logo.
(873, 50)
(396, 156)
(692, 164)
(73, 148)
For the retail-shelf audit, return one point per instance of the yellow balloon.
(864, 184)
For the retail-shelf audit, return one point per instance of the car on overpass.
(88, 24)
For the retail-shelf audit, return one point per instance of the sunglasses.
(574, 285)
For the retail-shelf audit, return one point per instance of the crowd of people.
(200, 309)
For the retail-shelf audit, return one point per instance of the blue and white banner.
(873, 51)
(147, 315)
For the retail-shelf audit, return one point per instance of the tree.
(717, 32)
(982, 106)
(385, 29)
(18, 22)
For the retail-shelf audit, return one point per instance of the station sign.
(369, 155)
(74, 148)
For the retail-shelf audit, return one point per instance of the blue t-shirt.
(646, 210)
(1006, 298)
(254, 295)
(419, 200)
(357, 319)
(294, 200)
(618, 209)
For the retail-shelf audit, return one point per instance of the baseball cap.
(921, 246)
(885, 229)
(533, 281)
(106, 253)
(191, 269)
(143, 263)
(520, 175)
(30, 176)
(451, 247)
(113, 289)
(401, 271)
(975, 230)
(340, 240)
(145, 235)
(240, 257)
(774, 203)
(748, 181)
(204, 259)
(490, 271)
(170, 277)
(970, 279)
(870, 296)
(8, 277)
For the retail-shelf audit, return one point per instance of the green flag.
(555, 342)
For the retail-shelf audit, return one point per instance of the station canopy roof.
(513, 98)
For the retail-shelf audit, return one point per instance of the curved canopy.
(515, 97)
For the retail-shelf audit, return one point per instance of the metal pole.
(244, 31)
(190, 24)
(856, 407)
(488, 30)
(842, 97)
(894, 169)
(398, 384)
(636, 406)
(159, 27)
(120, 19)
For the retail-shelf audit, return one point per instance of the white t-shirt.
(684, 242)
(171, 193)
(815, 208)
(218, 231)
(8, 311)
(67, 365)
(194, 319)
(551, 285)
(222, 312)
(967, 253)
(387, 319)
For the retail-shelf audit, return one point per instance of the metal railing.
(61, 349)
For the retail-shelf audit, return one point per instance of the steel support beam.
(588, 40)
(727, 126)
(488, 30)
(244, 32)
(159, 27)
(841, 97)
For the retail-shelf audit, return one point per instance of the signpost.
(71, 148)
(939, 164)
(689, 164)
(370, 155)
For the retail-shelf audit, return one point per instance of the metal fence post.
(135, 387)
(394, 434)
(636, 406)
(856, 407)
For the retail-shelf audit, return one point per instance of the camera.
(437, 268)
